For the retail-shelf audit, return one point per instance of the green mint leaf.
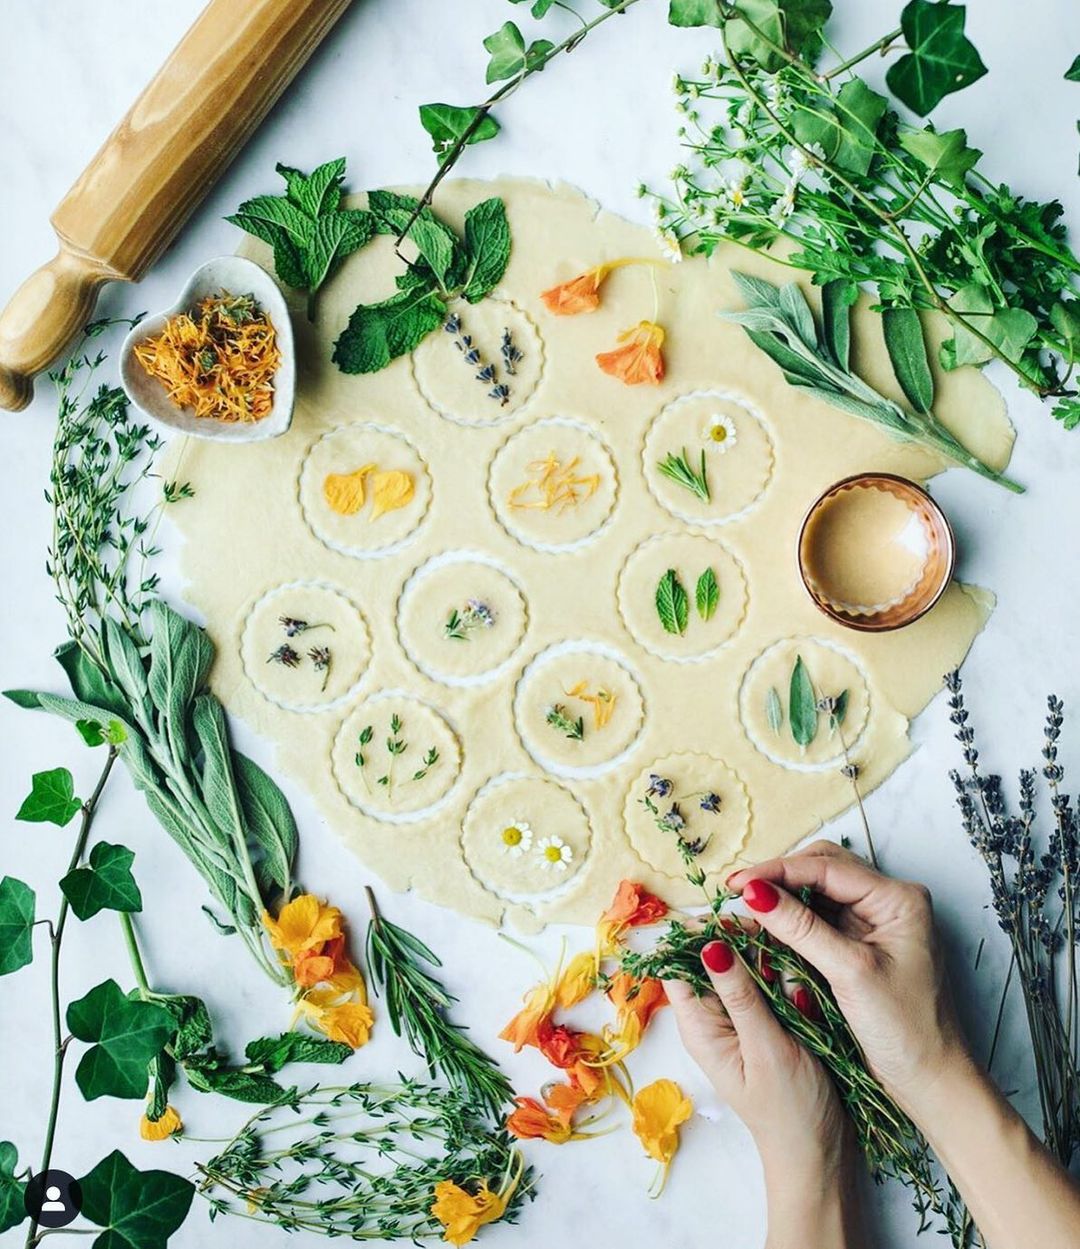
(51, 799)
(507, 48)
(210, 1075)
(379, 333)
(945, 154)
(1072, 74)
(774, 710)
(318, 192)
(124, 1037)
(707, 594)
(194, 1030)
(273, 1053)
(335, 236)
(16, 925)
(906, 345)
(487, 246)
(436, 243)
(941, 59)
(105, 884)
(12, 1209)
(802, 705)
(447, 123)
(137, 1209)
(672, 603)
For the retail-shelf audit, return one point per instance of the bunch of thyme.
(362, 1161)
(1034, 891)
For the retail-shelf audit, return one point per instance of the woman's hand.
(782, 1094)
(873, 940)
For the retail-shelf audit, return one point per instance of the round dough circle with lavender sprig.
(483, 365)
(717, 458)
(692, 799)
(682, 596)
(578, 709)
(395, 758)
(525, 836)
(460, 619)
(779, 720)
(304, 646)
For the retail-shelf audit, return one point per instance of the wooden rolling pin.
(155, 168)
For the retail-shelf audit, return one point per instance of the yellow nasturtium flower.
(658, 1110)
(344, 492)
(160, 1129)
(303, 924)
(462, 1213)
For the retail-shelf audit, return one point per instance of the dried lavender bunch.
(1033, 887)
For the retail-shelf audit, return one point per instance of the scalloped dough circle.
(693, 778)
(831, 670)
(305, 617)
(395, 786)
(541, 818)
(691, 556)
(460, 583)
(448, 381)
(553, 484)
(738, 452)
(589, 685)
(349, 449)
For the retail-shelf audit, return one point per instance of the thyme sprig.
(416, 1006)
(678, 469)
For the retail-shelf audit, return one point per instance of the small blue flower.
(659, 786)
(711, 803)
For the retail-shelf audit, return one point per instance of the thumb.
(802, 929)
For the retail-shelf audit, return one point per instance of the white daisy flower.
(720, 433)
(516, 838)
(555, 854)
(669, 244)
(783, 207)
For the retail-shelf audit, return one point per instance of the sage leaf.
(774, 710)
(802, 705)
(707, 594)
(268, 821)
(88, 683)
(672, 603)
(487, 244)
(124, 1037)
(273, 1053)
(382, 332)
(106, 883)
(16, 925)
(941, 59)
(137, 1209)
(51, 799)
(180, 659)
(12, 1207)
(797, 313)
(837, 298)
(448, 123)
(906, 346)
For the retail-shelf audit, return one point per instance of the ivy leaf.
(16, 925)
(707, 594)
(1009, 329)
(672, 603)
(273, 1053)
(446, 123)
(941, 59)
(944, 154)
(846, 134)
(106, 884)
(1072, 74)
(487, 246)
(379, 333)
(694, 13)
(793, 24)
(774, 710)
(124, 1037)
(802, 705)
(51, 799)
(906, 346)
(12, 1209)
(137, 1209)
(507, 48)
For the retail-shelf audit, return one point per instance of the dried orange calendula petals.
(344, 492)
(389, 491)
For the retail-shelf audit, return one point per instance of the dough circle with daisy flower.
(608, 542)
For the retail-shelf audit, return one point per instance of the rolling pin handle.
(41, 319)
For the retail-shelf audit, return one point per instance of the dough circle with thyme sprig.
(525, 836)
(396, 758)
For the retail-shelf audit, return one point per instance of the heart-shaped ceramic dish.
(239, 277)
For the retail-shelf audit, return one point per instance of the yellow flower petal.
(658, 1109)
(303, 924)
(160, 1129)
(344, 492)
(578, 980)
(389, 491)
(462, 1213)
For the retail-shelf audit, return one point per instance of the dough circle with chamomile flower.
(708, 458)
(525, 836)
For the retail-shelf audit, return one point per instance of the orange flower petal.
(532, 1020)
(633, 905)
(531, 1121)
(577, 981)
(580, 294)
(640, 360)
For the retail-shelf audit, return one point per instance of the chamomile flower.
(555, 854)
(669, 244)
(516, 838)
(720, 433)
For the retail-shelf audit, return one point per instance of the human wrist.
(811, 1195)
(931, 1103)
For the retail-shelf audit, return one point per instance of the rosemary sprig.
(416, 1005)
(560, 720)
(679, 469)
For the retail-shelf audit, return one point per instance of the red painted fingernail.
(759, 895)
(768, 971)
(804, 1003)
(718, 957)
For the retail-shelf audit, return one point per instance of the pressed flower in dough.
(344, 492)
(555, 854)
(516, 838)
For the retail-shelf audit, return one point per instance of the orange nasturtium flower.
(631, 907)
(531, 1120)
(532, 1021)
(639, 361)
(658, 1109)
(577, 981)
(636, 1001)
(160, 1129)
(582, 294)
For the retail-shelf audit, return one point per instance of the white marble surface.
(602, 119)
